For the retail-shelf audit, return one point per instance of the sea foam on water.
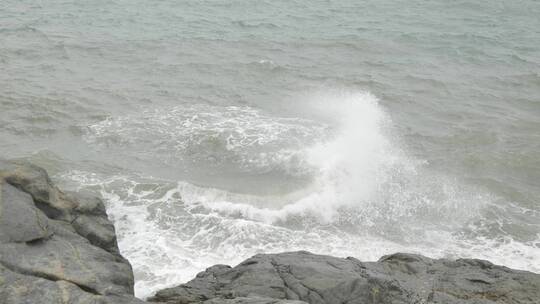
(365, 197)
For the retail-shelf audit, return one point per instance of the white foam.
(360, 168)
(169, 241)
(238, 135)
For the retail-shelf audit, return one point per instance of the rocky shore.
(60, 247)
(56, 247)
(302, 277)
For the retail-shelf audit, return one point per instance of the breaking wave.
(366, 196)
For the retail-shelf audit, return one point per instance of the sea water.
(215, 130)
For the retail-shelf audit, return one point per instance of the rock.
(20, 221)
(36, 182)
(398, 278)
(56, 247)
(29, 289)
(92, 222)
(252, 300)
(98, 230)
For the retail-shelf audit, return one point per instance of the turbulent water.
(217, 129)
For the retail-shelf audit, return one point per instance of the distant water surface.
(220, 129)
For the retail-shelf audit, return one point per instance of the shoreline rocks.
(60, 247)
(56, 247)
(303, 277)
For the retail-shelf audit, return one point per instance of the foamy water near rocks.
(58, 247)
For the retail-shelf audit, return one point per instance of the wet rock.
(398, 278)
(56, 247)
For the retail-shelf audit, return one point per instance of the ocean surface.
(216, 129)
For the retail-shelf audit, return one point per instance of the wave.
(360, 170)
(366, 196)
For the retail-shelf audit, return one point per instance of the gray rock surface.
(252, 300)
(398, 278)
(56, 247)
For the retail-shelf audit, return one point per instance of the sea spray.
(365, 195)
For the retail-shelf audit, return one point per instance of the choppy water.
(219, 129)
